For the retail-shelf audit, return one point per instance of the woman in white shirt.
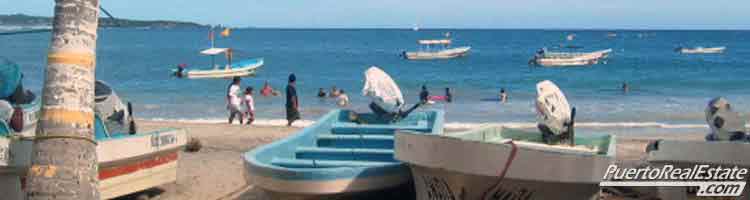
(233, 100)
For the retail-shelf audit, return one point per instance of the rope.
(513, 151)
(46, 137)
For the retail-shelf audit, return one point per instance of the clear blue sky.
(660, 14)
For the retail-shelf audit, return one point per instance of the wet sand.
(217, 172)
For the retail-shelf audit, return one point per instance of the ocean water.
(667, 89)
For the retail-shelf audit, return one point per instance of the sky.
(552, 14)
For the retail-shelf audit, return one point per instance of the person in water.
(180, 70)
(342, 100)
(424, 95)
(292, 102)
(448, 95)
(233, 100)
(334, 92)
(503, 96)
(625, 87)
(249, 105)
(321, 93)
(267, 90)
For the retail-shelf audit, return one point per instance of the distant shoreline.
(23, 21)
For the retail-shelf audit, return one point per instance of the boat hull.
(454, 168)
(241, 69)
(551, 59)
(714, 50)
(127, 164)
(336, 157)
(434, 183)
(444, 54)
(686, 154)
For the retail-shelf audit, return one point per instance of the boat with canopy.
(232, 68)
(436, 49)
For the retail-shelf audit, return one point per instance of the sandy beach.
(216, 171)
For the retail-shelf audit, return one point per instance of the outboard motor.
(555, 118)
(726, 124)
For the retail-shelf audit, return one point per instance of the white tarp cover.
(213, 51)
(553, 107)
(428, 42)
(382, 90)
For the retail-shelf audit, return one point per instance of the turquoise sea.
(668, 90)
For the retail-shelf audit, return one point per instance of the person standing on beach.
(249, 104)
(292, 103)
(233, 100)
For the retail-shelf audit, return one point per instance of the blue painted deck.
(335, 148)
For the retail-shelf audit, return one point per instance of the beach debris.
(193, 145)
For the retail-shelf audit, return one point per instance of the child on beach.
(233, 100)
(249, 104)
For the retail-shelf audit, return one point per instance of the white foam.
(457, 125)
(260, 122)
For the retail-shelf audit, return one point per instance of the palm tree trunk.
(64, 163)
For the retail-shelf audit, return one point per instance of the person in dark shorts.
(292, 103)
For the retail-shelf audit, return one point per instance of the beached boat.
(19, 108)
(337, 157)
(503, 163)
(701, 50)
(128, 162)
(344, 154)
(726, 146)
(561, 59)
(242, 68)
(436, 49)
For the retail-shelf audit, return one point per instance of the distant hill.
(21, 20)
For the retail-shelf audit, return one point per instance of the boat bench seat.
(353, 128)
(356, 141)
(359, 154)
(310, 163)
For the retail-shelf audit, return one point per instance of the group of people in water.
(342, 99)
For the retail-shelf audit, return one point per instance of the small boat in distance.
(701, 50)
(243, 68)
(436, 49)
(563, 59)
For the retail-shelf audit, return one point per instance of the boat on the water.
(701, 50)
(503, 163)
(344, 154)
(129, 161)
(563, 59)
(436, 49)
(726, 146)
(241, 68)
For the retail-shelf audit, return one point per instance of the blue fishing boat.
(337, 156)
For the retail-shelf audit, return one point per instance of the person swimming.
(625, 87)
(321, 93)
(503, 96)
(267, 90)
